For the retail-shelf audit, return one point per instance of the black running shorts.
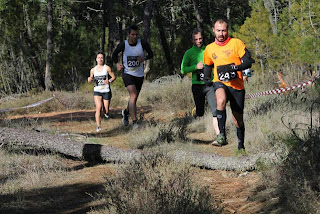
(105, 96)
(132, 80)
(236, 97)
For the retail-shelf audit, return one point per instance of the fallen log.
(51, 142)
(89, 151)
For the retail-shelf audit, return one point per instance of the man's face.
(221, 31)
(197, 39)
(99, 59)
(133, 37)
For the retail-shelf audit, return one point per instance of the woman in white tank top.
(102, 91)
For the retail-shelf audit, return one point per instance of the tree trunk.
(103, 17)
(114, 36)
(204, 22)
(48, 80)
(199, 18)
(270, 6)
(291, 18)
(28, 37)
(164, 43)
(147, 16)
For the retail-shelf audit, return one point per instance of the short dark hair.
(133, 27)
(195, 31)
(221, 19)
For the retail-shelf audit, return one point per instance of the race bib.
(226, 76)
(99, 80)
(200, 75)
(133, 61)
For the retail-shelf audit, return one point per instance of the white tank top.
(99, 78)
(131, 63)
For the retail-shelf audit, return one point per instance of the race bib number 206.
(99, 80)
(133, 61)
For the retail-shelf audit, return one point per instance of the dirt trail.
(234, 189)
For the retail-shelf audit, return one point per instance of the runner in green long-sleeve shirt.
(193, 62)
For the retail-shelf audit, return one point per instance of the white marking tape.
(28, 106)
(281, 90)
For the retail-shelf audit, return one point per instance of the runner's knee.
(221, 102)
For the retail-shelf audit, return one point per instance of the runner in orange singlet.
(227, 57)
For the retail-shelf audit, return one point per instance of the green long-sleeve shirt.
(190, 60)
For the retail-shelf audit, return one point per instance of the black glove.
(207, 76)
(227, 68)
(208, 82)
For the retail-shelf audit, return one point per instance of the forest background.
(52, 44)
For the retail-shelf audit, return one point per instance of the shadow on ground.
(80, 115)
(75, 198)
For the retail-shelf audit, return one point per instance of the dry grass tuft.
(154, 134)
(155, 184)
(170, 93)
(23, 170)
(294, 184)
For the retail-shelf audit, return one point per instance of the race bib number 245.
(227, 76)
